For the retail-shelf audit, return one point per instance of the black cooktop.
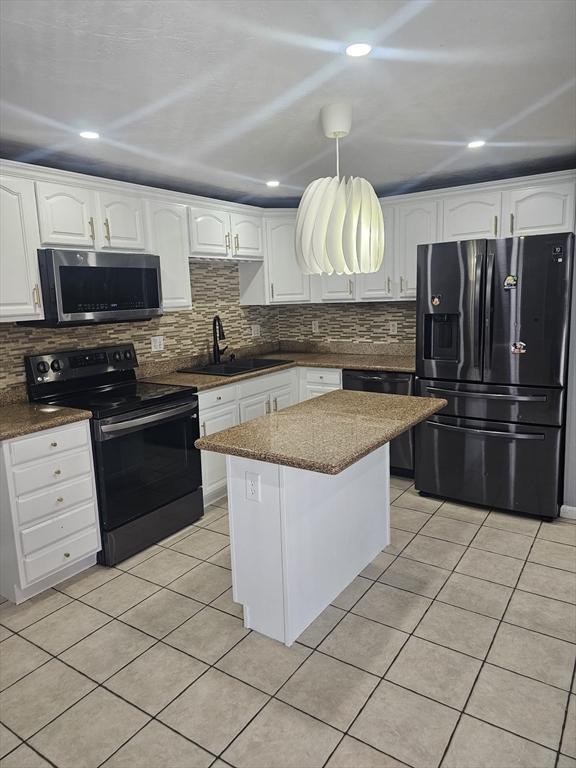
(109, 401)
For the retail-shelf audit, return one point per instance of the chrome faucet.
(217, 335)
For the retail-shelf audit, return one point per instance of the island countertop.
(325, 434)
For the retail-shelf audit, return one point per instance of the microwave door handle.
(131, 425)
(489, 432)
(490, 395)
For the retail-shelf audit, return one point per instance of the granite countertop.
(325, 434)
(368, 362)
(24, 418)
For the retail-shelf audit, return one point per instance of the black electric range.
(148, 472)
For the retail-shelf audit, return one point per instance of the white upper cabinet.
(468, 216)
(120, 222)
(168, 237)
(338, 287)
(376, 286)
(539, 209)
(417, 225)
(210, 232)
(66, 215)
(19, 241)
(247, 236)
(287, 283)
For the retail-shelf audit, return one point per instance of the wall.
(352, 323)
(215, 290)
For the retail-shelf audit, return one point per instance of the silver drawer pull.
(218, 397)
(60, 499)
(54, 444)
(320, 377)
(57, 471)
(66, 554)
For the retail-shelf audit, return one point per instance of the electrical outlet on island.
(157, 343)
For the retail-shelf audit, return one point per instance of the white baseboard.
(567, 511)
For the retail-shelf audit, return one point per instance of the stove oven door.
(146, 461)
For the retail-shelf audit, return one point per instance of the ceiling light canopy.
(89, 134)
(273, 183)
(339, 224)
(358, 49)
(476, 144)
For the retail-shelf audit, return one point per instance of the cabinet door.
(253, 406)
(247, 236)
(338, 287)
(121, 222)
(168, 235)
(376, 286)
(214, 464)
(417, 225)
(471, 216)
(539, 209)
(66, 215)
(209, 232)
(282, 398)
(287, 283)
(19, 278)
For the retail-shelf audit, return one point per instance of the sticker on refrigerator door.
(518, 348)
(436, 299)
(510, 282)
(558, 253)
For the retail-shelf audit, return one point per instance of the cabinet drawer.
(324, 376)
(58, 528)
(216, 397)
(265, 383)
(49, 473)
(54, 500)
(66, 552)
(52, 441)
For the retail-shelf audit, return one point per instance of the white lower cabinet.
(49, 528)
(236, 404)
(318, 381)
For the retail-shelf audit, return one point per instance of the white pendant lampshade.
(339, 224)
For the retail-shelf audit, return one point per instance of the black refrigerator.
(493, 318)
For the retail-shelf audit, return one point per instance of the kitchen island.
(308, 495)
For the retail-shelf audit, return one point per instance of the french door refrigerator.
(492, 339)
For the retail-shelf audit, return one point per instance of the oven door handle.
(129, 425)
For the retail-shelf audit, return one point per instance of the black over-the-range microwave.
(82, 287)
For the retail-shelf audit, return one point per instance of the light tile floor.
(456, 648)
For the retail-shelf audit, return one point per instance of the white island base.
(298, 538)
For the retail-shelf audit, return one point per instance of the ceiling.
(217, 96)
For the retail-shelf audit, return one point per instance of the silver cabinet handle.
(57, 472)
(66, 554)
(495, 226)
(267, 406)
(227, 241)
(272, 290)
(36, 296)
(237, 243)
(203, 429)
(107, 230)
(275, 403)
(53, 444)
(511, 223)
(401, 284)
(218, 397)
(91, 225)
(60, 499)
(388, 284)
(350, 287)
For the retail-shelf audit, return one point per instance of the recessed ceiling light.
(89, 135)
(272, 183)
(476, 144)
(358, 49)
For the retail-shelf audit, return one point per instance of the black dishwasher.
(402, 448)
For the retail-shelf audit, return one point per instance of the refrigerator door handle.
(491, 395)
(489, 432)
(477, 310)
(488, 319)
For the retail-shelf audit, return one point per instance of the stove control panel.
(69, 364)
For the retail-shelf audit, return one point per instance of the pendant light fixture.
(339, 224)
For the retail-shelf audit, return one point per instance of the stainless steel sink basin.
(235, 367)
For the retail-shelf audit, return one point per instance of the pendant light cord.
(337, 158)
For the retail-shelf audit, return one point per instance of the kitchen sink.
(235, 367)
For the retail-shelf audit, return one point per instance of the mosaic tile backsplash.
(188, 334)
